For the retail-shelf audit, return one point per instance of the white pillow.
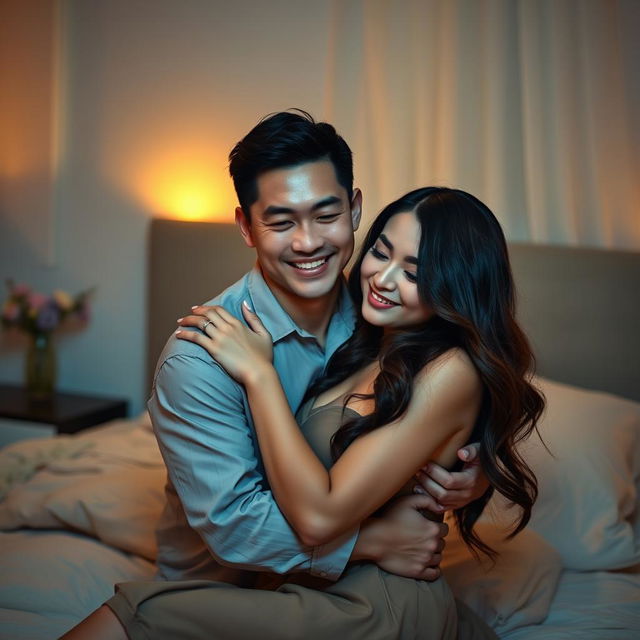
(515, 591)
(587, 508)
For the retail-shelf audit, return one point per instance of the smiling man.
(298, 210)
(301, 226)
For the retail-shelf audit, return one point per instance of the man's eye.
(411, 277)
(279, 224)
(377, 254)
(328, 217)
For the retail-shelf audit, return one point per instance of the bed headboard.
(581, 310)
(189, 263)
(579, 307)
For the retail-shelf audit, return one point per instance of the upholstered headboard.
(581, 310)
(189, 263)
(580, 307)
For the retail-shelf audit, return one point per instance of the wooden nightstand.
(64, 413)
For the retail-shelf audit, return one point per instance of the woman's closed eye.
(376, 253)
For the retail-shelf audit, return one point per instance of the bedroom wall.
(27, 78)
(153, 95)
(125, 110)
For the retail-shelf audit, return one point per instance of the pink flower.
(21, 289)
(36, 301)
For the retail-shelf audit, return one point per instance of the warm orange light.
(185, 184)
(189, 204)
(187, 194)
(186, 188)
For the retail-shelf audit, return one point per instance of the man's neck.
(311, 314)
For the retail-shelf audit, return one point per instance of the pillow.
(587, 508)
(515, 591)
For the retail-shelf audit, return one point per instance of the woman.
(436, 360)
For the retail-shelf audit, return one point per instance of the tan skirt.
(366, 602)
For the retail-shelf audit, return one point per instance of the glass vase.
(40, 367)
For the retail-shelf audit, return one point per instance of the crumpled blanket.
(107, 482)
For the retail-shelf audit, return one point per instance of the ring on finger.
(206, 324)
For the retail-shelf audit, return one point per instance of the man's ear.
(245, 227)
(356, 208)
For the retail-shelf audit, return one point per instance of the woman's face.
(388, 276)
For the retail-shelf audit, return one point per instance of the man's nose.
(306, 239)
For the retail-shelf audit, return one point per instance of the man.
(299, 211)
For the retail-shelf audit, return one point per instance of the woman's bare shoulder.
(451, 377)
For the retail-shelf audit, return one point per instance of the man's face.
(302, 228)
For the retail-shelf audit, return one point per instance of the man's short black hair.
(286, 139)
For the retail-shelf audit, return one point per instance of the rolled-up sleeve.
(198, 414)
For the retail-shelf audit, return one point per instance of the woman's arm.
(321, 504)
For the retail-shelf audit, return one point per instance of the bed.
(77, 513)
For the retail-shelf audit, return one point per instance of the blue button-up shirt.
(221, 521)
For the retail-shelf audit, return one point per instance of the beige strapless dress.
(365, 603)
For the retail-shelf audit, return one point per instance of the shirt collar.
(279, 323)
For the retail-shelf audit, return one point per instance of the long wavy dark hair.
(464, 275)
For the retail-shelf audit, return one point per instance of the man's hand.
(402, 540)
(447, 490)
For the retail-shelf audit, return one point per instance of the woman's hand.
(242, 351)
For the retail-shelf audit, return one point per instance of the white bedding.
(50, 580)
(80, 512)
(598, 605)
(78, 516)
(106, 482)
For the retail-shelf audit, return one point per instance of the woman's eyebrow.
(387, 243)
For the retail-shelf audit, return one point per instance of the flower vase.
(40, 367)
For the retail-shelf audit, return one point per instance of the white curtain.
(532, 105)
